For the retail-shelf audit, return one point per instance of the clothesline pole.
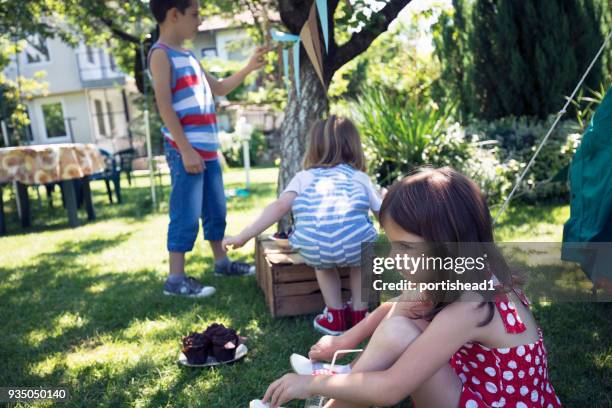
(554, 125)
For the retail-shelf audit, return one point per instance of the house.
(86, 100)
(89, 99)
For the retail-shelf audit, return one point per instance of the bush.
(517, 140)
(505, 57)
(402, 133)
(231, 148)
(397, 131)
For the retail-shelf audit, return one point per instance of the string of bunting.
(309, 36)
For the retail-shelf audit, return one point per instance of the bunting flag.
(323, 17)
(295, 39)
(312, 43)
(309, 35)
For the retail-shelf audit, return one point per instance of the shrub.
(506, 57)
(231, 148)
(517, 140)
(397, 130)
(402, 132)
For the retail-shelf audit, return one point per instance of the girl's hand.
(286, 388)
(324, 349)
(235, 242)
(258, 59)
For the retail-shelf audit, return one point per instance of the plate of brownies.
(214, 346)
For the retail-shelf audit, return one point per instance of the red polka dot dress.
(515, 377)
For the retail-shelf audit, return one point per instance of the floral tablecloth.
(40, 164)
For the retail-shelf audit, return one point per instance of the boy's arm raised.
(271, 214)
(161, 71)
(227, 85)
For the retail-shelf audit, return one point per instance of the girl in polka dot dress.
(451, 352)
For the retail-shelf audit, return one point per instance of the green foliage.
(585, 106)
(14, 94)
(516, 140)
(397, 131)
(521, 58)
(232, 150)
(392, 61)
(402, 133)
(223, 68)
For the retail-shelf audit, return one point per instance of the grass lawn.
(83, 308)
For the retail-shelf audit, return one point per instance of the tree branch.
(119, 33)
(360, 41)
(294, 13)
(328, 72)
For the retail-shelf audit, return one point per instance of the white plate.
(258, 404)
(300, 364)
(304, 366)
(241, 351)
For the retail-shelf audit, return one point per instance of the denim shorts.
(194, 196)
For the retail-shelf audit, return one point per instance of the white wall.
(95, 64)
(74, 105)
(224, 38)
(61, 70)
(111, 101)
(203, 40)
(66, 66)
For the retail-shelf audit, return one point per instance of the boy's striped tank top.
(332, 219)
(193, 102)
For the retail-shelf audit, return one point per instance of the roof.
(218, 22)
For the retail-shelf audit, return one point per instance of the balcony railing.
(98, 69)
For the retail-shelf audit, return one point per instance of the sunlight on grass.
(83, 307)
(541, 223)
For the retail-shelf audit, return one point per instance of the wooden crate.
(289, 285)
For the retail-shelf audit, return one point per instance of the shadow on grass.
(135, 207)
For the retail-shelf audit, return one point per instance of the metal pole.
(543, 142)
(69, 120)
(247, 162)
(146, 123)
(20, 100)
(5, 133)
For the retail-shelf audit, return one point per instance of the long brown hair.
(444, 206)
(334, 141)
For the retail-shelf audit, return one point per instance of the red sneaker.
(348, 314)
(331, 322)
(352, 317)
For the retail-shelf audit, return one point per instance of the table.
(64, 163)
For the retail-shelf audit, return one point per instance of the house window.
(208, 52)
(100, 116)
(55, 124)
(90, 54)
(36, 50)
(111, 116)
(113, 64)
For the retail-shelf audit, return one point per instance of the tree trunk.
(300, 114)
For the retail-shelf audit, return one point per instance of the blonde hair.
(334, 141)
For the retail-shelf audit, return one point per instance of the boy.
(184, 96)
